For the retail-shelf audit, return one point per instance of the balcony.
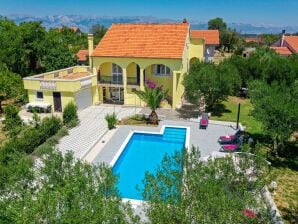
(117, 81)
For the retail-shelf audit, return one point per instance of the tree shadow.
(287, 156)
(290, 214)
(219, 109)
(188, 111)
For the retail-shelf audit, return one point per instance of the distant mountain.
(85, 22)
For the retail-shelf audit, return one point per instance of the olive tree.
(210, 83)
(185, 189)
(65, 190)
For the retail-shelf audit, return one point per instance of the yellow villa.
(127, 56)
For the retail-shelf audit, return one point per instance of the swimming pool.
(144, 152)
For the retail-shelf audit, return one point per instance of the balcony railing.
(117, 80)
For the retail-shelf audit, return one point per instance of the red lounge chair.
(229, 148)
(204, 121)
(228, 138)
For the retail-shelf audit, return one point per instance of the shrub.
(32, 137)
(13, 122)
(48, 146)
(70, 115)
(111, 120)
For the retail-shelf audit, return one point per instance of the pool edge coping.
(161, 131)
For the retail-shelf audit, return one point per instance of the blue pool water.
(144, 152)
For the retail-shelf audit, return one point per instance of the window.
(116, 69)
(162, 70)
(39, 95)
(116, 74)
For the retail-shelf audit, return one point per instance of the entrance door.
(57, 101)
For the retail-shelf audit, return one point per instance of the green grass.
(286, 197)
(227, 111)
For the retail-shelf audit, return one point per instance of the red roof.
(253, 39)
(82, 55)
(292, 42)
(143, 41)
(282, 50)
(210, 36)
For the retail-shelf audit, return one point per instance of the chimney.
(282, 38)
(90, 46)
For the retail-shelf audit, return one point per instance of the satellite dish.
(208, 50)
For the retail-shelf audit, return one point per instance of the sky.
(257, 12)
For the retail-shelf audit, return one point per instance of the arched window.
(116, 74)
(162, 70)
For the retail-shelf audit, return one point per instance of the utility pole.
(238, 116)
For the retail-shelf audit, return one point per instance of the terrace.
(69, 79)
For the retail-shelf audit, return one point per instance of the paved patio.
(91, 128)
(205, 140)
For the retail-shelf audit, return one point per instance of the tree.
(98, 31)
(152, 95)
(12, 122)
(64, 190)
(11, 85)
(276, 107)
(217, 24)
(241, 63)
(211, 84)
(58, 58)
(185, 189)
(229, 39)
(269, 39)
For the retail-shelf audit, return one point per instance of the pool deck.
(204, 139)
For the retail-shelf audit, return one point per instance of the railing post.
(142, 79)
(124, 75)
(238, 116)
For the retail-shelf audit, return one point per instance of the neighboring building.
(257, 40)
(283, 51)
(247, 51)
(73, 29)
(82, 57)
(127, 56)
(210, 39)
(286, 45)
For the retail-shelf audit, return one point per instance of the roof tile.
(293, 42)
(82, 55)
(210, 36)
(144, 41)
(282, 50)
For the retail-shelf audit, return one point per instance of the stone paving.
(203, 139)
(91, 128)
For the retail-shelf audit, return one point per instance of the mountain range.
(85, 22)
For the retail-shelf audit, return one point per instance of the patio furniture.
(227, 139)
(39, 107)
(204, 121)
(229, 148)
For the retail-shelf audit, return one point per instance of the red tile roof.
(82, 55)
(143, 41)
(210, 36)
(292, 42)
(253, 39)
(282, 50)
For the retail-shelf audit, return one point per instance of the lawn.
(228, 112)
(286, 197)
